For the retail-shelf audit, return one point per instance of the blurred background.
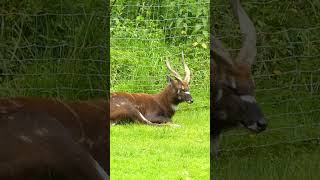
(53, 48)
(144, 33)
(287, 76)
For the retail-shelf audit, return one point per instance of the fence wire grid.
(53, 49)
(286, 73)
(144, 33)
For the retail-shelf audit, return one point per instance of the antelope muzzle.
(188, 98)
(254, 119)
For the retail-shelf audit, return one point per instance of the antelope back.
(233, 84)
(31, 125)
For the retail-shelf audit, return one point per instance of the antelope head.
(180, 87)
(235, 103)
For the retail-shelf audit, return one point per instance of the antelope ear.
(170, 80)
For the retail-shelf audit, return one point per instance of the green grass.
(144, 152)
(278, 153)
(298, 161)
(289, 100)
(53, 55)
(138, 50)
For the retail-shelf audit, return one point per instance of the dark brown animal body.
(151, 109)
(232, 85)
(42, 136)
(145, 108)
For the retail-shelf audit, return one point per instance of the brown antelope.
(41, 137)
(156, 109)
(232, 85)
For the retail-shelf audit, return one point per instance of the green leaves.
(180, 20)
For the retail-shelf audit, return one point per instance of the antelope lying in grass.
(232, 83)
(41, 136)
(154, 109)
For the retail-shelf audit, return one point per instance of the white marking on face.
(219, 95)
(174, 107)
(248, 98)
(25, 139)
(187, 92)
(233, 83)
(117, 105)
(253, 127)
(122, 103)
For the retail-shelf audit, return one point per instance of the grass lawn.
(298, 161)
(279, 153)
(145, 152)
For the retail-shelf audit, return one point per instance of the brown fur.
(157, 108)
(151, 109)
(232, 85)
(39, 136)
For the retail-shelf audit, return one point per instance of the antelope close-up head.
(233, 85)
(180, 87)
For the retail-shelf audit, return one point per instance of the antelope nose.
(190, 101)
(262, 124)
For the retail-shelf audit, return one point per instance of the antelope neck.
(167, 97)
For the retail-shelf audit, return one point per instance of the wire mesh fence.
(144, 33)
(53, 49)
(287, 70)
